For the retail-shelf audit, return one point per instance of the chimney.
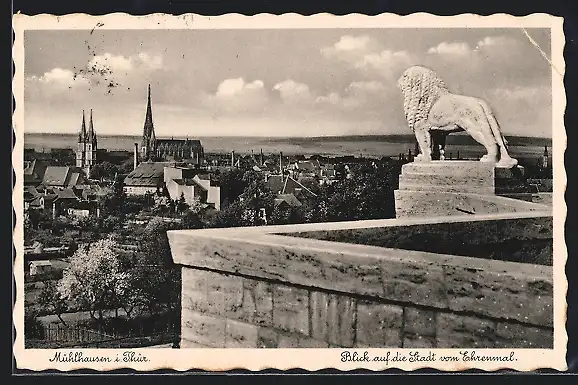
(135, 156)
(232, 158)
(281, 163)
(261, 158)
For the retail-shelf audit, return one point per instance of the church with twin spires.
(87, 146)
(155, 149)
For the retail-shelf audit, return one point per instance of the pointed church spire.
(148, 139)
(90, 127)
(82, 136)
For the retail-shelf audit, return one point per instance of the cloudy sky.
(275, 82)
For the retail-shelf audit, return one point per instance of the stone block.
(257, 302)
(294, 340)
(333, 318)
(241, 335)
(460, 170)
(186, 344)
(194, 300)
(507, 296)
(225, 295)
(195, 279)
(414, 341)
(379, 325)
(203, 329)
(459, 331)
(514, 336)
(427, 203)
(267, 338)
(419, 322)
(414, 282)
(291, 309)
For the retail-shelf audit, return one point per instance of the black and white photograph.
(366, 195)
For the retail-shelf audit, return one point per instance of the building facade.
(87, 146)
(154, 149)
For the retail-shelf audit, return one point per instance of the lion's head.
(421, 88)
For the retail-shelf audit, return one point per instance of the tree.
(232, 184)
(181, 204)
(255, 197)
(51, 300)
(95, 281)
(114, 203)
(103, 170)
(156, 276)
(368, 194)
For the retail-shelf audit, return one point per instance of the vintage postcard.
(253, 192)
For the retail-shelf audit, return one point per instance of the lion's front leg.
(423, 136)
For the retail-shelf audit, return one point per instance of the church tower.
(148, 146)
(91, 146)
(81, 146)
(87, 145)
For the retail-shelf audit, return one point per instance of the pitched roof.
(188, 182)
(146, 174)
(290, 199)
(275, 183)
(66, 193)
(308, 165)
(56, 175)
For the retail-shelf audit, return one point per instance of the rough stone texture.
(253, 289)
(257, 302)
(416, 283)
(225, 295)
(457, 331)
(378, 325)
(203, 329)
(521, 336)
(296, 340)
(520, 298)
(442, 188)
(333, 318)
(415, 341)
(428, 203)
(459, 169)
(419, 321)
(241, 335)
(291, 309)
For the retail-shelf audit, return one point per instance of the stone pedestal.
(443, 188)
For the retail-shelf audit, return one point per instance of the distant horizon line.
(266, 137)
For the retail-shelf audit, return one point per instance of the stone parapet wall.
(247, 287)
(222, 310)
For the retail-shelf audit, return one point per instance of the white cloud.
(385, 62)
(293, 92)
(366, 86)
(528, 93)
(237, 95)
(367, 54)
(350, 44)
(449, 48)
(495, 41)
(59, 77)
(118, 63)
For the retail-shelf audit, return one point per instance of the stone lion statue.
(431, 108)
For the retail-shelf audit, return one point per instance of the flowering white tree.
(95, 280)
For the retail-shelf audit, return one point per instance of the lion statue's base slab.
(430, 107)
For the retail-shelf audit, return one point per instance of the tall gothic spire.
(82, 134)
(148, 137)
(148, 126)
(90, 127)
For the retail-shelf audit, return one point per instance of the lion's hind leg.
(423, 136)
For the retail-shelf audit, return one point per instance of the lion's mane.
(421, 88)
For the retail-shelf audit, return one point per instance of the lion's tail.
(495, 126)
